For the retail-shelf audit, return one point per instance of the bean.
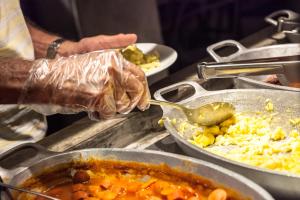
(217, 194)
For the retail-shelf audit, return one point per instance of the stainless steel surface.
(20, 125)
(280, 184)
(27, 191)
(256, 53)
(206, 115)
(293, 35)
(202, 168)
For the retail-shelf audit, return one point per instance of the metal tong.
(289, 66)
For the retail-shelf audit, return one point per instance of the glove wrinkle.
(101, 83)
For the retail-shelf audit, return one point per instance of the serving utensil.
(284, 65)
(206, 115)
(243, 53)
(27, 191)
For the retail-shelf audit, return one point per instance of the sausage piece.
(81, 177)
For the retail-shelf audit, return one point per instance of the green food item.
(136, 56)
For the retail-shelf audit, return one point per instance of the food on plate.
(146, 61)
(107, 179)
(250, 138)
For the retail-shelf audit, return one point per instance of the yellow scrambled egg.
(295, 122)
(249, 139)
(269, 105)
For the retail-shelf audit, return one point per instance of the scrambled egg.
(136, 56)
(249, 139)
(269, 105)
(295, 122)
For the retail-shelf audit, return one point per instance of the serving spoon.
(27, 191)
(205, 115)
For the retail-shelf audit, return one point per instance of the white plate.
(167, 56)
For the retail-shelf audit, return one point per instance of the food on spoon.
(146, 61)
(107, 179)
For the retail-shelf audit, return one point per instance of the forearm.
(42, 39)
(14, 73)
(17, 82)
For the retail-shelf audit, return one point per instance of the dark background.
(188, 26)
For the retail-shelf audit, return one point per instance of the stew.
(98, 179)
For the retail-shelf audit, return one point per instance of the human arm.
(42, 39)
(99, 82)
(14, 73)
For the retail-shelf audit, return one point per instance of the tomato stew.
(103, 179)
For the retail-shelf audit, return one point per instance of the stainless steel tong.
(289, 66)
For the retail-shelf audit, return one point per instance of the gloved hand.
(101, 83)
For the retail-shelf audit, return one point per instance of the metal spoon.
(206, 115)
(27, 191)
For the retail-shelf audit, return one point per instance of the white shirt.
(15, 40)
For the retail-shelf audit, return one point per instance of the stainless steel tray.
(243, 53)
(278, 183)
(202, 168)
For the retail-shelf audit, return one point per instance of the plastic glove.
(101, 83)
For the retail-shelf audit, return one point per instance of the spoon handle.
(27, 191)
(165, 103)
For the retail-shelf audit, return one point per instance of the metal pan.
(243, 53)
(279, 184)
(202, 168)
(281, 19)
(286, 21)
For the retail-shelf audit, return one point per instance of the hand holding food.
(101, 83)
